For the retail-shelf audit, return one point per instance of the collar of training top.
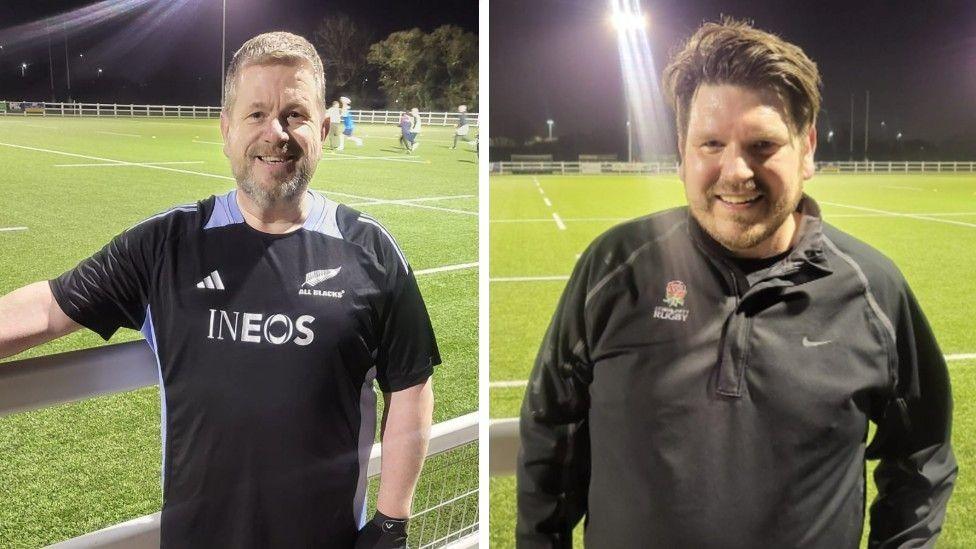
(807, 249)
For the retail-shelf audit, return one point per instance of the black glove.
(383, 532)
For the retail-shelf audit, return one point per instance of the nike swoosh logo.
(808, 343)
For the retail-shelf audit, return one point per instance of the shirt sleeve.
(554, 457)
(408, 350)
(109, 290)
(917, 469)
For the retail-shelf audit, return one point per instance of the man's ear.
(810, 147)
(224, 128)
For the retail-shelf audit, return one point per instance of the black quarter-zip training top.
(678, 401)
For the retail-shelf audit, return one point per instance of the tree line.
(409, 68)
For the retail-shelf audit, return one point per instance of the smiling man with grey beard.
(271, 311)
(710, 372)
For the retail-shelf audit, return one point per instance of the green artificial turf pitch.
(72, 469)
(936, 250)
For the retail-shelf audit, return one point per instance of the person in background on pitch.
(414, 128)
(710, 371)
(271, 310)
(462, 128)
(347, 125)
(334, 115)
(405, 122)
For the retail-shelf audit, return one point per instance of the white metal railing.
(870, 166)
(447, 494)
(114, 110)
(563, 168)
(584, 167)
(429, 118)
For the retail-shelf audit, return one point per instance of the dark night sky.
(558, 59)
(176, 59)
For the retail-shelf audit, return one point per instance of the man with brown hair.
(270, 310)
(710, 372)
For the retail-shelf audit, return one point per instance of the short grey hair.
(274, 48)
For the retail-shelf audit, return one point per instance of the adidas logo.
(212, 282)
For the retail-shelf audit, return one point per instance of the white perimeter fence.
(113, 110)
(586, 168)
(447, 494)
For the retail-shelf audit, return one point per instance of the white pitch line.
(547, 201)
(559, 221)
(123, 164)
(381, 201)
(446, 268)
(212, 120)
(6, 229)
(217, 176)
(421, 199)
(514, 383)
(897, 214)
(902, 188)
(121, 134)
(508, 384)
(528, 278)
(542, 192)
(208, 142)
(448, 197)
(937, 214)
(425, 140)
(567, 219)
(76, 155)
(334, 158)
(363, 157)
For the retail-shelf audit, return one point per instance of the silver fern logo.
(317, 277)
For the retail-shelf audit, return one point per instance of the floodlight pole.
(223, 47)
(867, 110)
(630, 149)
(550, 123)
(852, 127)
(67, 68)
(50, 64)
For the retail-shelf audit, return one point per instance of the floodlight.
(626, 18)
(623, 21)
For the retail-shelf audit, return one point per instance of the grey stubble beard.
(285, 192)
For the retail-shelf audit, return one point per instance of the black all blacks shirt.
(267, 348)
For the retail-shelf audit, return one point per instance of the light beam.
(645, 104)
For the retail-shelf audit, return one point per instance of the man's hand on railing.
(30, 316)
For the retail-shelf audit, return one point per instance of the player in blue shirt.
(347, 125)
(270, 310)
